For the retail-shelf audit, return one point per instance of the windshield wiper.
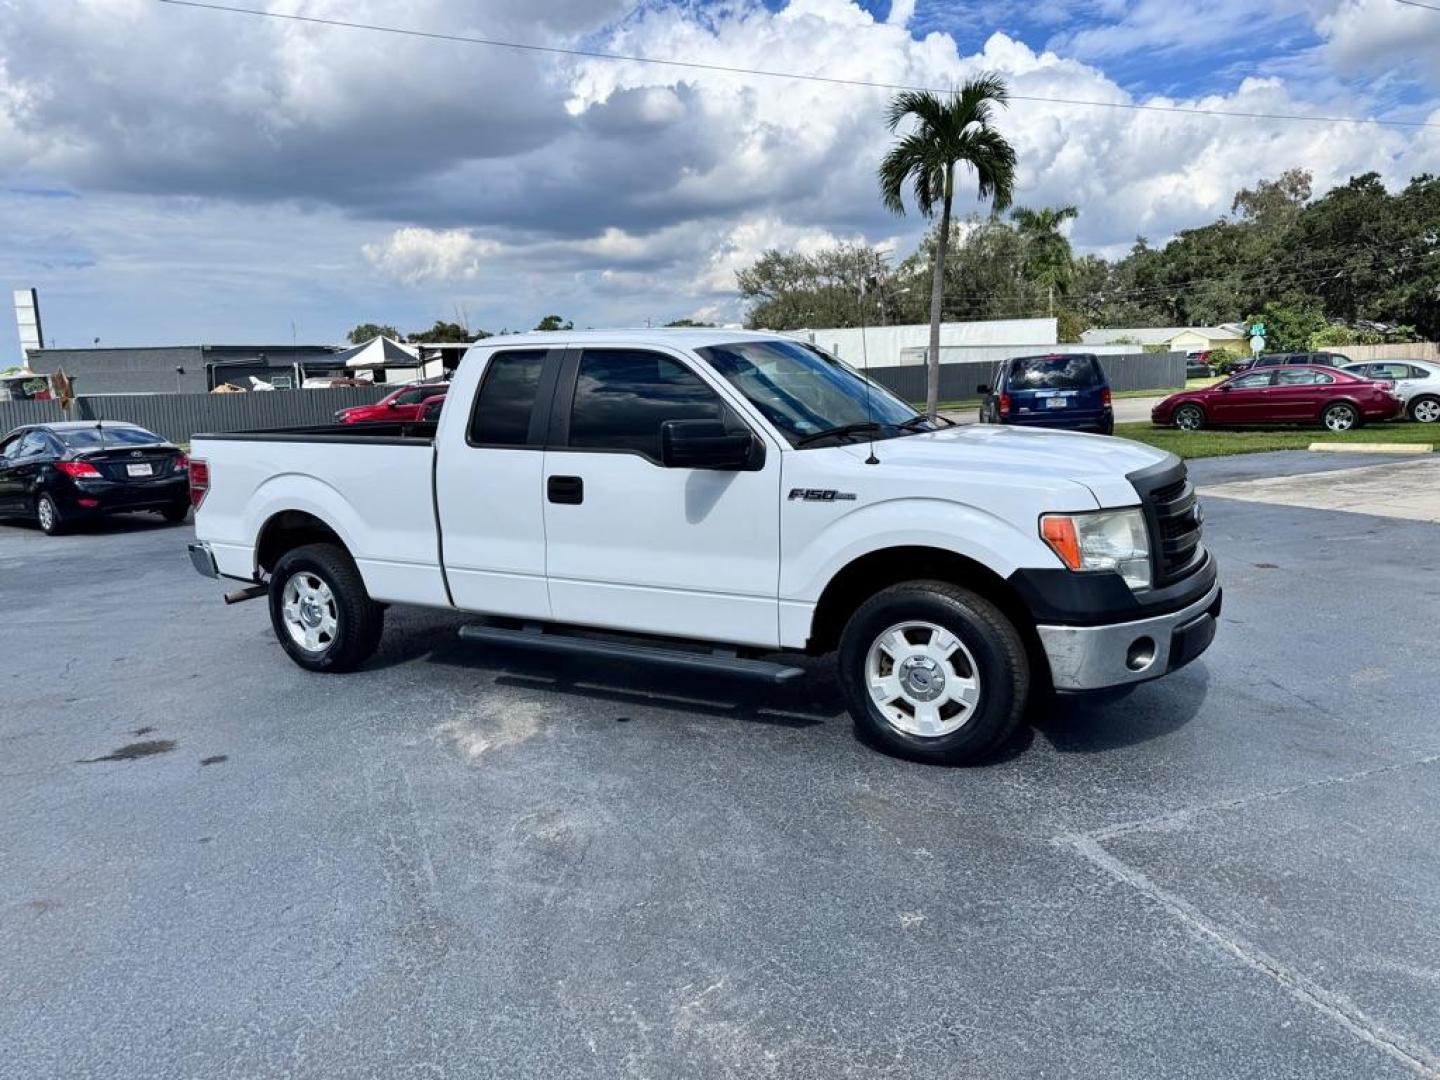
(838, 432)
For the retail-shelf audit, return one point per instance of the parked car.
(1060, 390)
(1289, 394)
(1416, 383)
(430, 409)
(403, 404)
(1197, 365)
(64, 473)
(728, 495)
(1313, 359)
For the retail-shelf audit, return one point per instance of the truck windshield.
(804, 392)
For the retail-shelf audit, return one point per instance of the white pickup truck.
(713, 498)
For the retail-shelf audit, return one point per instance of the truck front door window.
(622, 396)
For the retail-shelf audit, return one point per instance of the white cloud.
(415, 255)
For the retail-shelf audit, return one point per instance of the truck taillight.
(199, 481)
(1105, 397)
(77, 469)
(1004, 404)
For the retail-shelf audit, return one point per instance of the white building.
(888, 346)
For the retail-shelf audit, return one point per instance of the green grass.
(1210, 443)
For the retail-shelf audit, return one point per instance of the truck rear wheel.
(322, 614)
(934, 672)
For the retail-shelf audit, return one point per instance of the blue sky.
(173, 175)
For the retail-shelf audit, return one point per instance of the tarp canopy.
(377, 352)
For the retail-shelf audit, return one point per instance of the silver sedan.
(1417, 384)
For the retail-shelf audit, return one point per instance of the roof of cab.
(686, 337)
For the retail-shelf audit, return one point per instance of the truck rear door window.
(622, 396)
(506, 399)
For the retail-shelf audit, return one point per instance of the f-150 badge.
(821, 495)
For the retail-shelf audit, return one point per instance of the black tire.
(1338, 410)
(1108, 427)
(176, 514)
(48, 516)
(1195, 417)
(999, 659)
(1424, 409)
(358, 620)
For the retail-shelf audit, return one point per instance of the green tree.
(1048, 261)
(1290, 323)
(792, 291)
(444, 331)
(554, 322)
(368, 331)
(689, 322)
(946, 132)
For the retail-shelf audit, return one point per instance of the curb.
(1371, 448)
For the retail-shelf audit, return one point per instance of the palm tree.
(1047, 252)
(946, 133)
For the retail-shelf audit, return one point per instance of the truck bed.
(402, 433)
(373, 484)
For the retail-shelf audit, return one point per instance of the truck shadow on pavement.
(1092, 725)
(1071, 725)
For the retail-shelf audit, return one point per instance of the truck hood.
(1099, 462)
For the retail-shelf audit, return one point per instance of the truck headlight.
(1102, 540)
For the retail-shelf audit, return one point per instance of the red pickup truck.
(403, 405)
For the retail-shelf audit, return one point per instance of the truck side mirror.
(704, 444)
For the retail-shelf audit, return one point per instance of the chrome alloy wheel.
(1427, 411)
(922, 679)
(45, 513)
(1189, 418)
(1339, 418)
(309, 608)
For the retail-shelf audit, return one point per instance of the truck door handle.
(569, 490)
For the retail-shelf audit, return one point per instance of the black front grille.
(1172, 515)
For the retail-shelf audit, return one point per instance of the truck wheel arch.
(866, 575)
(288, 530)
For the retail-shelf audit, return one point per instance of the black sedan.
(65, 473)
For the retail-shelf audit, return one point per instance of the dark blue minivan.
(1061, 390)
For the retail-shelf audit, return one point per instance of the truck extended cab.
(713, 497)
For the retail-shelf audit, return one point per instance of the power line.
(1416, 3)
(696, 65)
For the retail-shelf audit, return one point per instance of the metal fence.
(1131, 371)
(179, 416)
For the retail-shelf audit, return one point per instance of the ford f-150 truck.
(714, 499)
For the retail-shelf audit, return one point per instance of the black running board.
(718, 662)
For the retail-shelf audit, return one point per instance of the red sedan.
(1293, 394)
(403, 404)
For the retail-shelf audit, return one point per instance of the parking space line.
(1177, 818)
(1333, 1006)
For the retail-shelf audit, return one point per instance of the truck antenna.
(865, 367)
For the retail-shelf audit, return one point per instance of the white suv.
(1417, 384)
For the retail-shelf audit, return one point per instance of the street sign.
(1257, 343)
(1257, 329)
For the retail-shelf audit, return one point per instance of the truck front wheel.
(322, 614)
(934, 672)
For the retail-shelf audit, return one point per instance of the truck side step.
(718, 661)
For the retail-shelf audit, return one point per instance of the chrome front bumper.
(1097, 657)
(203, 560)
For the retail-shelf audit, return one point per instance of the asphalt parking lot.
(464, 862)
